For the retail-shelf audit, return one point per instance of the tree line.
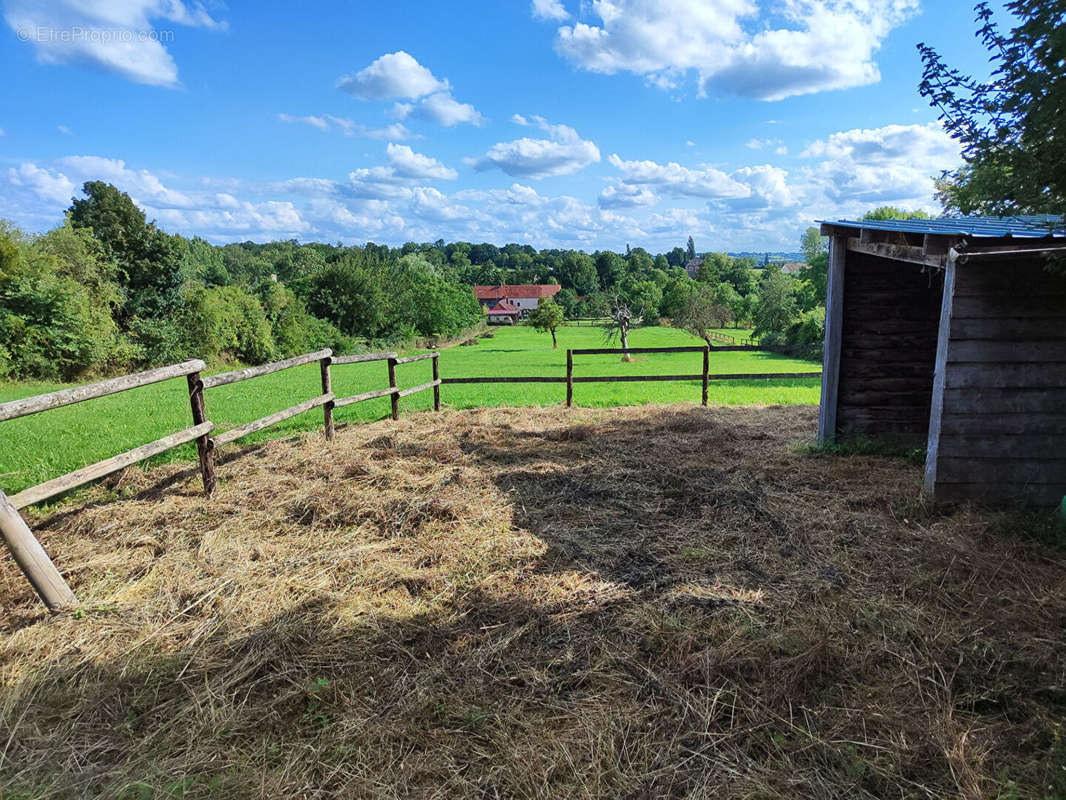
(108, 291)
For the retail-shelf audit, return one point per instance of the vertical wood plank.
(834, 322)
(943, 342)
(327, 388)
(203, 443)
(569, 378)
(395, 396)
(32, 559)
(436, 377)
(706, 372)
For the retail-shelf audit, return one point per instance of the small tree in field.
(702, 313)
(546, 317)
(620, 319)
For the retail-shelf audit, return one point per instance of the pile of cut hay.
(655, 602)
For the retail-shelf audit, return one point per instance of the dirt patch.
(646, 603)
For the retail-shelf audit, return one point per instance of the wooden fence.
(704, 377)
(27, 551)
(42, 573)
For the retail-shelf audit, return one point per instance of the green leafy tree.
(546, 318)
(610, 267)
(150, 262)
(675, 294)
(777, 307)
(690, 249)
(892, 212)
(812, 243)
(577, 271)
(702, 313)
(349, 294)
(1012, 125)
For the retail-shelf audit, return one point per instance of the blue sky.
(553, 122)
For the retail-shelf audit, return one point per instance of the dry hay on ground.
(645, 603)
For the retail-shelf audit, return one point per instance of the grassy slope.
(46, 445)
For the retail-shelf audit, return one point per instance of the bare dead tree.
(620, 320)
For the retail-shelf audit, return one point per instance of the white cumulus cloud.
(118, 36)
(392, 76)
(563, 153)
(443, 109)
(549, 9)
(679, 181)
(396, 132)
(797, 47)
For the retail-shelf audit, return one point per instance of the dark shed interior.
(952, 332)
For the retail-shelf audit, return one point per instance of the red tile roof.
(516, 290)
(503, 307)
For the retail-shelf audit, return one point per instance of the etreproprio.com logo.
(46, 35)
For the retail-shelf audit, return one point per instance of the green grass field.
(46, 445)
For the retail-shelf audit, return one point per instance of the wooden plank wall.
(1003, 421)
(888, 350)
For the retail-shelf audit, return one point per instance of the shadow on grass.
(657, 604)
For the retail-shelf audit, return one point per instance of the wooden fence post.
(569, 378)
(327, 388)
(436, 377)
(395, 396)
(706, 371)
(203, 443)
(32, 559)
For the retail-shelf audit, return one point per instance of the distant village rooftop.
(515, 291)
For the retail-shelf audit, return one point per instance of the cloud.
(563, 153)
(753, 206)
(408, 164)
(315, 122)
(116, 36)
(806, 46)
(51, 186)
(392, 76)
(679, 181)
(328, 122)
(627, 196)
(549, 9)
(142, 185)
(394, 180)
(890, 143)
(63, 129)
(443, 109)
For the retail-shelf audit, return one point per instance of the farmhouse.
(524, 297)
(503, 312)
(952, 331)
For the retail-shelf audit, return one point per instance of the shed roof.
(1029, 227)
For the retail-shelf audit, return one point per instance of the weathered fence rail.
(23, 545)
(48, 581)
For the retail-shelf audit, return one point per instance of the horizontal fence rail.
(508, 379)
(233, 434)
(100, 469)
(78, 394)
(265, 369)
(362, 358)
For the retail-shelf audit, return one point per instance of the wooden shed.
(952, 332)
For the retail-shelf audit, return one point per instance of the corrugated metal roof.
(1041, 226)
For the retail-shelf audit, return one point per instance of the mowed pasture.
(644, 602)
(43, 446)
